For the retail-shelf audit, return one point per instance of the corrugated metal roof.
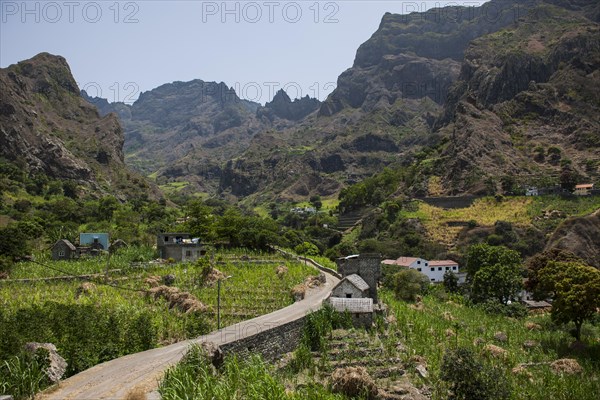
(537, 304)
(70, 245)
(364, 305)
(357, 281)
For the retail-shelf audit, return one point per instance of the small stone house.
(64, 250)
(361, 310)
(179, 246)
(356, 293)
(117, 244)
(351, 287)
(367, 266)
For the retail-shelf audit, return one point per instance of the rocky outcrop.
(580, 237)
(48, 128)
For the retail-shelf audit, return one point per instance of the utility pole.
(219, 301)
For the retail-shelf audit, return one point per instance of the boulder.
(56, 365)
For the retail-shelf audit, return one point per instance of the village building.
(96, 241)
(433, 269)
(117, 245)
(356, 293)
(583, 189)
(531, 191)
(361, 310)
(351, 287)
(179, 247)
(64, 250)
(367, 266)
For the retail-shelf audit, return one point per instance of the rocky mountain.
(465, 95)
(526, 103)
(47, 128)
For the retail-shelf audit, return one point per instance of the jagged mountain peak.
(283, 107)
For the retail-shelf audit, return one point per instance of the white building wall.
(436, 273)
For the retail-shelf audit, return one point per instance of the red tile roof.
(406, 261)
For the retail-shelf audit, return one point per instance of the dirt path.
(116, 378)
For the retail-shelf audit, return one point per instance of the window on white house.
(447, 268)
(432, 269)
(426, 264)
(439, 268)
(419, 269)
(418, 261)
(453, 268)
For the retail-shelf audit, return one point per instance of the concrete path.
(116, 378)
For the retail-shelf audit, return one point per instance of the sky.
(118, 49)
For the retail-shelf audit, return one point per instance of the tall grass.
(426, 333)
(22, 377)
(252, 379)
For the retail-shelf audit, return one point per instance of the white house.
(531, 191)
(437, 269)
(583, 190)
(434, 269)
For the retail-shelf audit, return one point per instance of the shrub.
(409, 283)
(469, 378)
(514, 310)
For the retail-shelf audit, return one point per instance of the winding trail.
(116, 378)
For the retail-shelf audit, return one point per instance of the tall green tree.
(484, 255)
(536, 263)
(200, 220)
(500, 282)
(575, 288)
(495, 273)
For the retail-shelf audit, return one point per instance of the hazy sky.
(118, 48)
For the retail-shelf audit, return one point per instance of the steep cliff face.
(47, 127)
(521, 91)
(416, 55)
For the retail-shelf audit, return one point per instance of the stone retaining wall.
(269, 341)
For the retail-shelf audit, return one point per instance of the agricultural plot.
(520, 211)
(107, 317)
